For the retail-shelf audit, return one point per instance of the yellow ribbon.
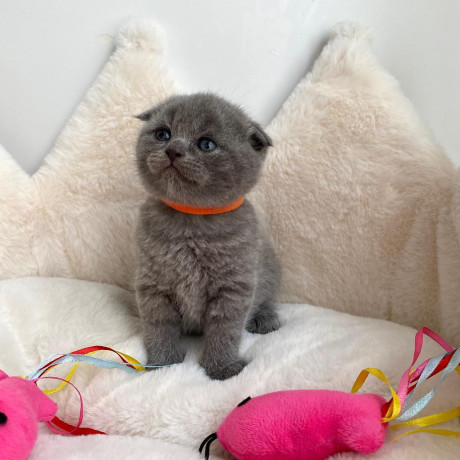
(455, 434)
(429, 420)
(63, 384)
(136, 364)
(395, 407)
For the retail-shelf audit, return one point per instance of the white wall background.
(252, 51)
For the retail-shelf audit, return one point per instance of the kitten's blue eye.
(163, 134)
(207, 145)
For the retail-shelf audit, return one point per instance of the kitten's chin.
(172, 183)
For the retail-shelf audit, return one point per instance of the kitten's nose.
(173, 153)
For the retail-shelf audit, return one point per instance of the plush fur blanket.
(363, 206)
(177, 407)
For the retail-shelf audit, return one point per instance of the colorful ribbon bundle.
(399, 408)
(127, 363)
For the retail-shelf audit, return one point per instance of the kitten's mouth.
(172, 167)
(176, 171)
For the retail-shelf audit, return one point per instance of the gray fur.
(211, 274)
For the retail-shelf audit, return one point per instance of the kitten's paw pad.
(225, 371)
(165, 357)
(263, 323)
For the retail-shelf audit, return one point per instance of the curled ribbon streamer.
(428, 367)
(403, 387)
(65, 381)
(66, 378)
(395, 408)
(71, 429)
(441, 432)
(423, 402)
(431, 419)
(444, 362)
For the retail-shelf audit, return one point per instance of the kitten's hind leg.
(263, 318)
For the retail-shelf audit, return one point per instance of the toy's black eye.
(207, 145)
(163, 134)
(3, 418)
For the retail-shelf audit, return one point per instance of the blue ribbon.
(99, 362)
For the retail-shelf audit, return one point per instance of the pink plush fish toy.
(22, 406)
(315, 424)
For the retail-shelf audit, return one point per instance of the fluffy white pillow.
(315, 348)
(358, 198)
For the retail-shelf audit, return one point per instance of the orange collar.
(203, 211)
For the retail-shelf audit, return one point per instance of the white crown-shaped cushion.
(75, 217)
(360, 201)
(358, 197)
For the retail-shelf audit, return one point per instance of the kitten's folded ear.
(148, 114)
(258, 138)
(145, 116)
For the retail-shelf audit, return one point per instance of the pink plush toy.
(282, 425)
(315, 424)
(22, 406)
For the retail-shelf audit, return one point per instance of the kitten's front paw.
(162, 356)
(263, 322)
(224, 371)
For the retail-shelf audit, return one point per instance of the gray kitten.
(211, 274)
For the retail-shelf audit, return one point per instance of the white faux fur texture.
(314, 348)
(358, 197)
(75, 216)
(362, 205)
(49, 447)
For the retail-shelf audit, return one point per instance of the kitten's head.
(199, 150)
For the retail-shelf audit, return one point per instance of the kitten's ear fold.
(145, 116)
(258, 138)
